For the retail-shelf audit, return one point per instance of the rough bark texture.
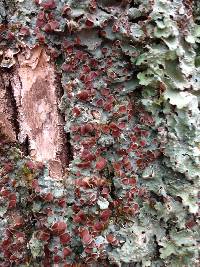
(100, 133)
(36, 92)
(6, 109)
(29, 109)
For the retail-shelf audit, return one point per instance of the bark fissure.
(12, 103)
(26, 146)
(67, 149)
(8, 108)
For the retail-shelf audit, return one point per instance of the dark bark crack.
(26, 146)
(67, 151)
(15, 115)
(69, 148)
(11, 103)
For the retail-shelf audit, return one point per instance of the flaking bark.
(34, 87)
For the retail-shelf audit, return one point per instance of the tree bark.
(30, 103)
(99, 133)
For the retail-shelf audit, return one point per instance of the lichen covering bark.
(131, 77)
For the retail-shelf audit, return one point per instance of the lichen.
(130, 75)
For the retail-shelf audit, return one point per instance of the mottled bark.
(126, 74)
(34, 88)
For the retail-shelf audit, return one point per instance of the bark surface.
(99, 133)
(29, 109)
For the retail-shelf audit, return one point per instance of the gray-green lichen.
(130, 74)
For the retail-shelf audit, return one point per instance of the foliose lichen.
(130, 73)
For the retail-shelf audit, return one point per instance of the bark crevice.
(9, 122)
(67, 149)
(26, 146)
(12, 103)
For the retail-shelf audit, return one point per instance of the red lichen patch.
(101, 163)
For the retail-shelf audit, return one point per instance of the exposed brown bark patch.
(35, 91)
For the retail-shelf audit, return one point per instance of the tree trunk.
(99, 126)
